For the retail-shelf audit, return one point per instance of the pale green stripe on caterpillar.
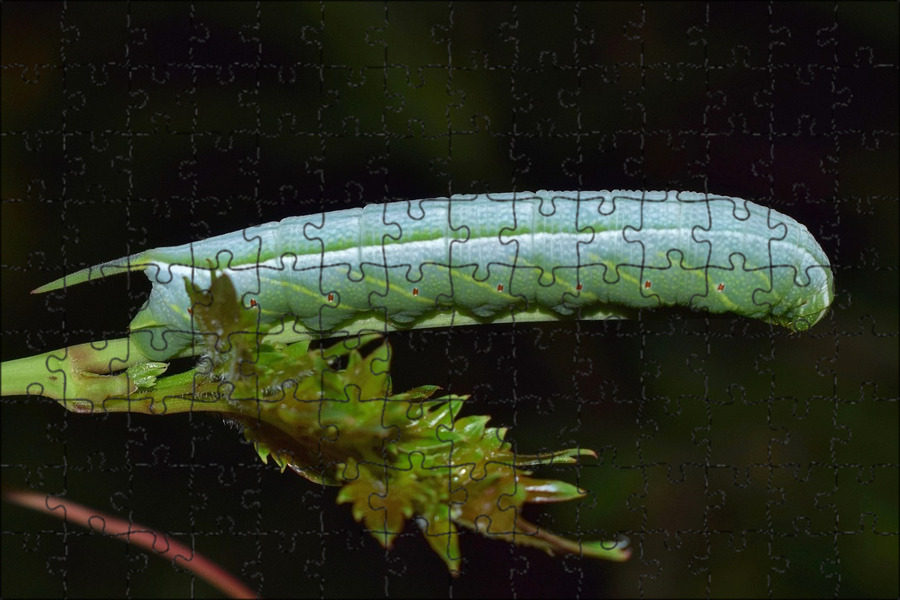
(558, 251)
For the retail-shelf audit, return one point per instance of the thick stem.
(76, 372)
(88, 378)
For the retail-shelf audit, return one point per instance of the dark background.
(741, 460)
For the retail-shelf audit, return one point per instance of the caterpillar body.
(483, 254)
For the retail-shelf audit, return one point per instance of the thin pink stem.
(145, 537)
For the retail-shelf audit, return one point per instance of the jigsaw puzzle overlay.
(485, 254)
(739, 457)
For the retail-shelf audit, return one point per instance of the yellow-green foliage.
(396, 456)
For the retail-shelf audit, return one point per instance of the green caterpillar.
(560, 252)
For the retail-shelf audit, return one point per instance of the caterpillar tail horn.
(136, 262)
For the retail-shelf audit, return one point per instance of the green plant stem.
(95, 377)
(80, 371)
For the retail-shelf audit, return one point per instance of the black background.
(740, 459)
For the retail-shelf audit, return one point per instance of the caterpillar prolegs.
(555, 252)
